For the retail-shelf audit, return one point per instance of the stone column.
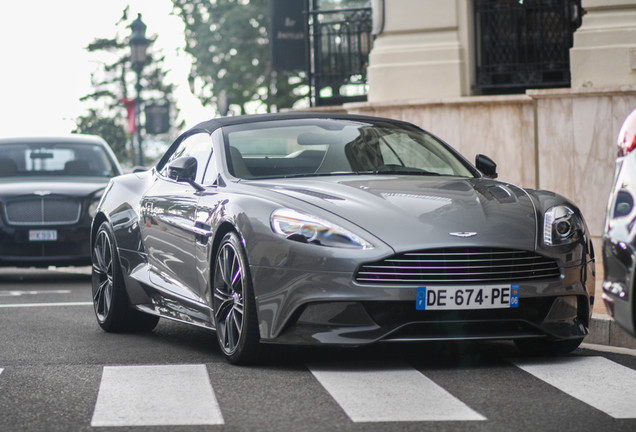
(604, 50)
(418, 53)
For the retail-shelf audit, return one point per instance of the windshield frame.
(334, 124)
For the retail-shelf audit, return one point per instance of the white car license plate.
(467, 297)
(43, 235)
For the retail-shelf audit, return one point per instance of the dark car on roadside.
(619, 235)
(49, 191)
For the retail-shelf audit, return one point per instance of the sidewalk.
(604, 331)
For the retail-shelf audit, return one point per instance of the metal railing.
(339, 42)
(523, 44)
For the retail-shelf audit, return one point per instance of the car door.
(169, 218)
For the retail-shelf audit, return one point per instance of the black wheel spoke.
(221, 295)
(227, 266)
(238, 307)
(99, 292)
(106, 299)
(237, 318)
(236, 278)
(99, 265)
(230, 331)
(224, 305)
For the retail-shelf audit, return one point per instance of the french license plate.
(43, 235)
(472, 297)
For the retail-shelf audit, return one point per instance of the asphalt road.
(60, 372)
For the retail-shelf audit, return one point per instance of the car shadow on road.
(432, 355)
(201, 343)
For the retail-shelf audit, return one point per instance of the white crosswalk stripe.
(167, 395)
(376, 392)
(597, 381)
(32, 305)
(174, 395)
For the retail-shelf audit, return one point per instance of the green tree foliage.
(108, 128)
(113, 81)
(229, 40)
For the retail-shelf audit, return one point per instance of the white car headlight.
(561, 226)
(304, 228)
(92, 208)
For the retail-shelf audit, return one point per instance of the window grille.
(522, 44)
(340, 41)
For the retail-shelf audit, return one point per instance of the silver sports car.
(341, 230)
(619, 237)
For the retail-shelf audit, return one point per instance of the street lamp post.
(138, 44)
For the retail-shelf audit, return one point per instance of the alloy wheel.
(229, 306)
(103, 272)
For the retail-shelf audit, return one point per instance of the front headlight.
(304, 228)
(92, 207)
(561, 226)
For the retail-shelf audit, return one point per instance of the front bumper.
(322, 308)
(72, 246)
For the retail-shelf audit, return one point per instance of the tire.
(110, 301)
(233, 303)
(547, 346)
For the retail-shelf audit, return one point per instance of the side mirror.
(184, 169)
(487, 166)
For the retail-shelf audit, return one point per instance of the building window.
(340, 40)
(523, 44)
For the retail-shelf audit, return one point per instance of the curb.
(605, 331)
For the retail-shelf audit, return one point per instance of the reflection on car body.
(619, 237)
(338, 229)
(49, 191)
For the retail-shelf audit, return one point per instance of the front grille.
(43, 211)
(459, 265)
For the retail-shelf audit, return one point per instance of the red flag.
(130, 108)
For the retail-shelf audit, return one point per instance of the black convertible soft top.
(213, 124)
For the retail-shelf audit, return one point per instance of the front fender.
(120, 207)
(579, 254)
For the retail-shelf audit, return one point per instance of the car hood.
(409, 212)
(70, 186)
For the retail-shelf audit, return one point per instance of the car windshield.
(314, 147)
(54, 159)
